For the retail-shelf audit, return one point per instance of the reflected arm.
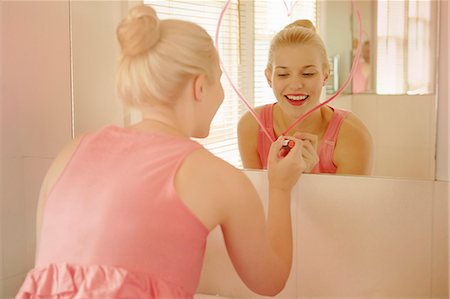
(354, 148)
(247, 140)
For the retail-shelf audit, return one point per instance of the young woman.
(297, 70)
(125, 212)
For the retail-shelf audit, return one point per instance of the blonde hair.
(159, 56)
(298, 32)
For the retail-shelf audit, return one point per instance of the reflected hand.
(309, 150)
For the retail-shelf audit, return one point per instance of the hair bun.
(302, 23)
(139, 31)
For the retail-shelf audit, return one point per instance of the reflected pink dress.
(325, 149)
(114, 226)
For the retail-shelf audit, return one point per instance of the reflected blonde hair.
(160, 56)
(298, 33)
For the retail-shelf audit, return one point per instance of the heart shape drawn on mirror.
(289, 10)
(338, 92)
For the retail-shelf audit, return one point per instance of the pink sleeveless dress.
(325, 148)
(114, 226)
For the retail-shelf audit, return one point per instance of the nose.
(296, 82)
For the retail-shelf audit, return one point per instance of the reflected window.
(405, 49)
(245, 34)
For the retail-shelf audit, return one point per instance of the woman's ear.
(268, 74)
(326, 75)
(199, 87)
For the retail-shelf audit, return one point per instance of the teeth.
(297, 98)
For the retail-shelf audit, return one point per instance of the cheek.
(277, 84)
(318, 83)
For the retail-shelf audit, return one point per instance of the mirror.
(402, 126)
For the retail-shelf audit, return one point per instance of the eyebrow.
(305, 67)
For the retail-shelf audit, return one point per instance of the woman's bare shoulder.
(60, 162)
(354, 126)
(211, 187)
(212, 166)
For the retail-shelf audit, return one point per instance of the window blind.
(222, 140)
(405, 57)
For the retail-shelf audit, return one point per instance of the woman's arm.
(354, 148)
(260, 250)
(248, 129)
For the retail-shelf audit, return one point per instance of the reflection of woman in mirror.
(126, 212)
(362, 77)
(297, 69)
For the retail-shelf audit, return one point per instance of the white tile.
(36, 70)
(12, 126)
(34, 173)
(397, 162)
(14, 233)
(11, 286)
(405, 121)
(440, 277)
(95, 62)
(356, 237)
(364, 237)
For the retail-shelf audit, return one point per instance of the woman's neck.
(161, 121)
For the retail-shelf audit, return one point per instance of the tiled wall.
(35, 120)
(95, 61)
(443, 141)
(403, 129)
(357, 238)
(1, 146)
(443, 125)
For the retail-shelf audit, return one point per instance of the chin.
(201, 134)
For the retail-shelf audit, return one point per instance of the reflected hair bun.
(139, 31)
(302, 23)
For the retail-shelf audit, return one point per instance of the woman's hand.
(285, 170)
(309, 150)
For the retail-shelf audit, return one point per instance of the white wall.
(1, 146)
(95, 54)
(36, 114)
(443, 129)
(403, 129)
(35, 121)
(443, 141)
(357, 238)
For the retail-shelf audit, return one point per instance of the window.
(405, 47)
(245, 34)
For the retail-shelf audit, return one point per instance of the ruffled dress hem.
(67, 281)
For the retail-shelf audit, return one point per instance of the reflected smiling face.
(297, 78)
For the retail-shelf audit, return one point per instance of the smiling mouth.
(296, 100)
